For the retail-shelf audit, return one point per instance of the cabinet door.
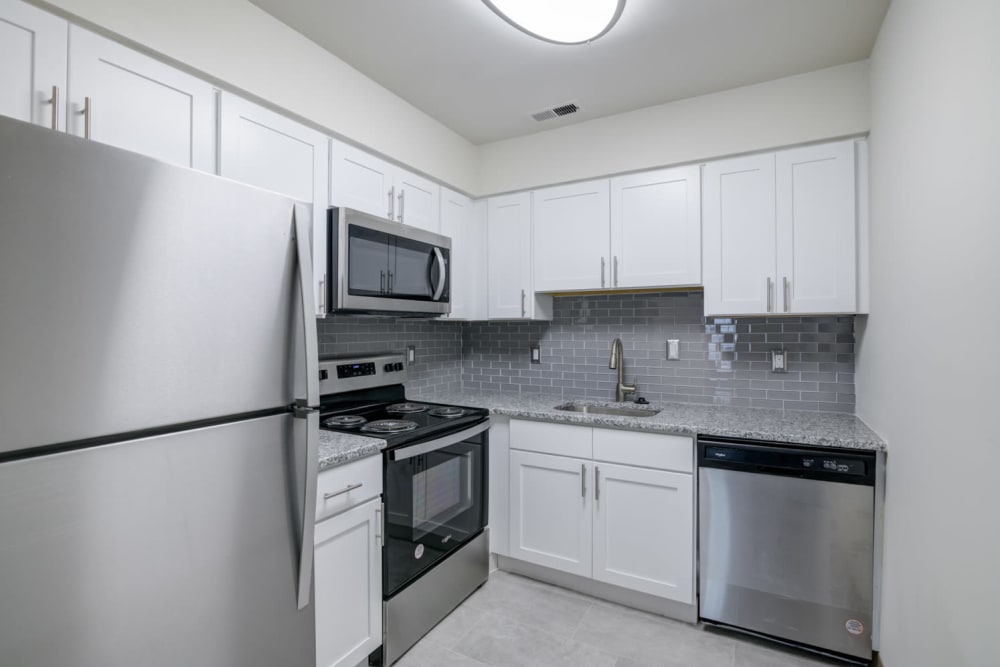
(739, 236)
(570, 232)
(418, 201)
(32, 62)
(644, 530)
(508, 233)
(270, 151)
(656, 228)
(463, 221)
(348, 570)
(550, 511)
(139, 104)
(816, 229)
(360, 181)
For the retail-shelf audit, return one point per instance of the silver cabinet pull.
(597, 482)
(602, 272)
(378, 523)
(784, 291)
(88, 113)
(392, 200)
(54, 101)
(322, 296)
(768, 288)
(583, 480)
(524, 311)
(616, 271)
(402, 203)
(346, 489)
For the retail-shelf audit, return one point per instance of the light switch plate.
(673, 349)
(411, 353)
(536, 355)
(779, 361)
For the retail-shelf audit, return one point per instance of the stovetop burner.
(345, 421)
(389, 426)
(406, 408)
(448, 412)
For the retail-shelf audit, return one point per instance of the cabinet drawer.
(548, 438)
(650, 450)
(367, 473)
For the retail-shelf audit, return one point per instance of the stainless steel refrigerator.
(157, 443)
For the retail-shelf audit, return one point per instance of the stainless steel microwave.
(377, 266)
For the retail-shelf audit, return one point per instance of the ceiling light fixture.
(560, 21)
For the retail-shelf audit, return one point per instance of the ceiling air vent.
(561, 110)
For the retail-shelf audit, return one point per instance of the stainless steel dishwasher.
(787, 543)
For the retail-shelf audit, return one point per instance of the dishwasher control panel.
(791, 461)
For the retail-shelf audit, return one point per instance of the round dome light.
(560, 21)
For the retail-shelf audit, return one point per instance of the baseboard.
(598, 589)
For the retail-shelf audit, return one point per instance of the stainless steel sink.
(607, 410)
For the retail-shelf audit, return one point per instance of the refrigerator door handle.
(302, 220)
(307, 430)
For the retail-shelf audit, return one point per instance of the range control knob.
(398, 366)
(388, 368)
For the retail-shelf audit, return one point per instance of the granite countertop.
(339, 448)
(792, 426)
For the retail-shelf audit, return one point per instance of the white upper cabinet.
(780, 232)
(268, 150)
(32, 64)
(508, 243)
(641, 230)
(120, 97)
(739, 235)
(364, 182)
(464, 221)
(656, 228)
(359, 180)
(817, 260)
(571, 237)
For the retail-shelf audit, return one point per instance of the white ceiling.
(466, 67)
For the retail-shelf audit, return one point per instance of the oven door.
(435, 501)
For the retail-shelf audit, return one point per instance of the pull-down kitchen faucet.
(618, 361)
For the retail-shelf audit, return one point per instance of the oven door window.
(435, 503)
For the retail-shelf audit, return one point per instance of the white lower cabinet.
(550, 515)
(623, 516)
(644, 530)
(348, 569)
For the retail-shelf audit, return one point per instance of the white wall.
(927, 370)
(239, 44)
(817, 105)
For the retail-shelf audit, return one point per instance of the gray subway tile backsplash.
(723, 360)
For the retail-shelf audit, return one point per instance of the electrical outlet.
(411, 353)
(779, 361)
(673, 349)
(536, 355)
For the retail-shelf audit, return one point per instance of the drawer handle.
(346, 489)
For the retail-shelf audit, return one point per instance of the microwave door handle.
(442, 274)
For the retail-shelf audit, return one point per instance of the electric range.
(435, 490)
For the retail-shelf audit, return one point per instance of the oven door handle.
(404, 453)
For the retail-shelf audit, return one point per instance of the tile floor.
(515, 621)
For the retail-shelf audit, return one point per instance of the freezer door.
(177, 550)
(136, 294)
